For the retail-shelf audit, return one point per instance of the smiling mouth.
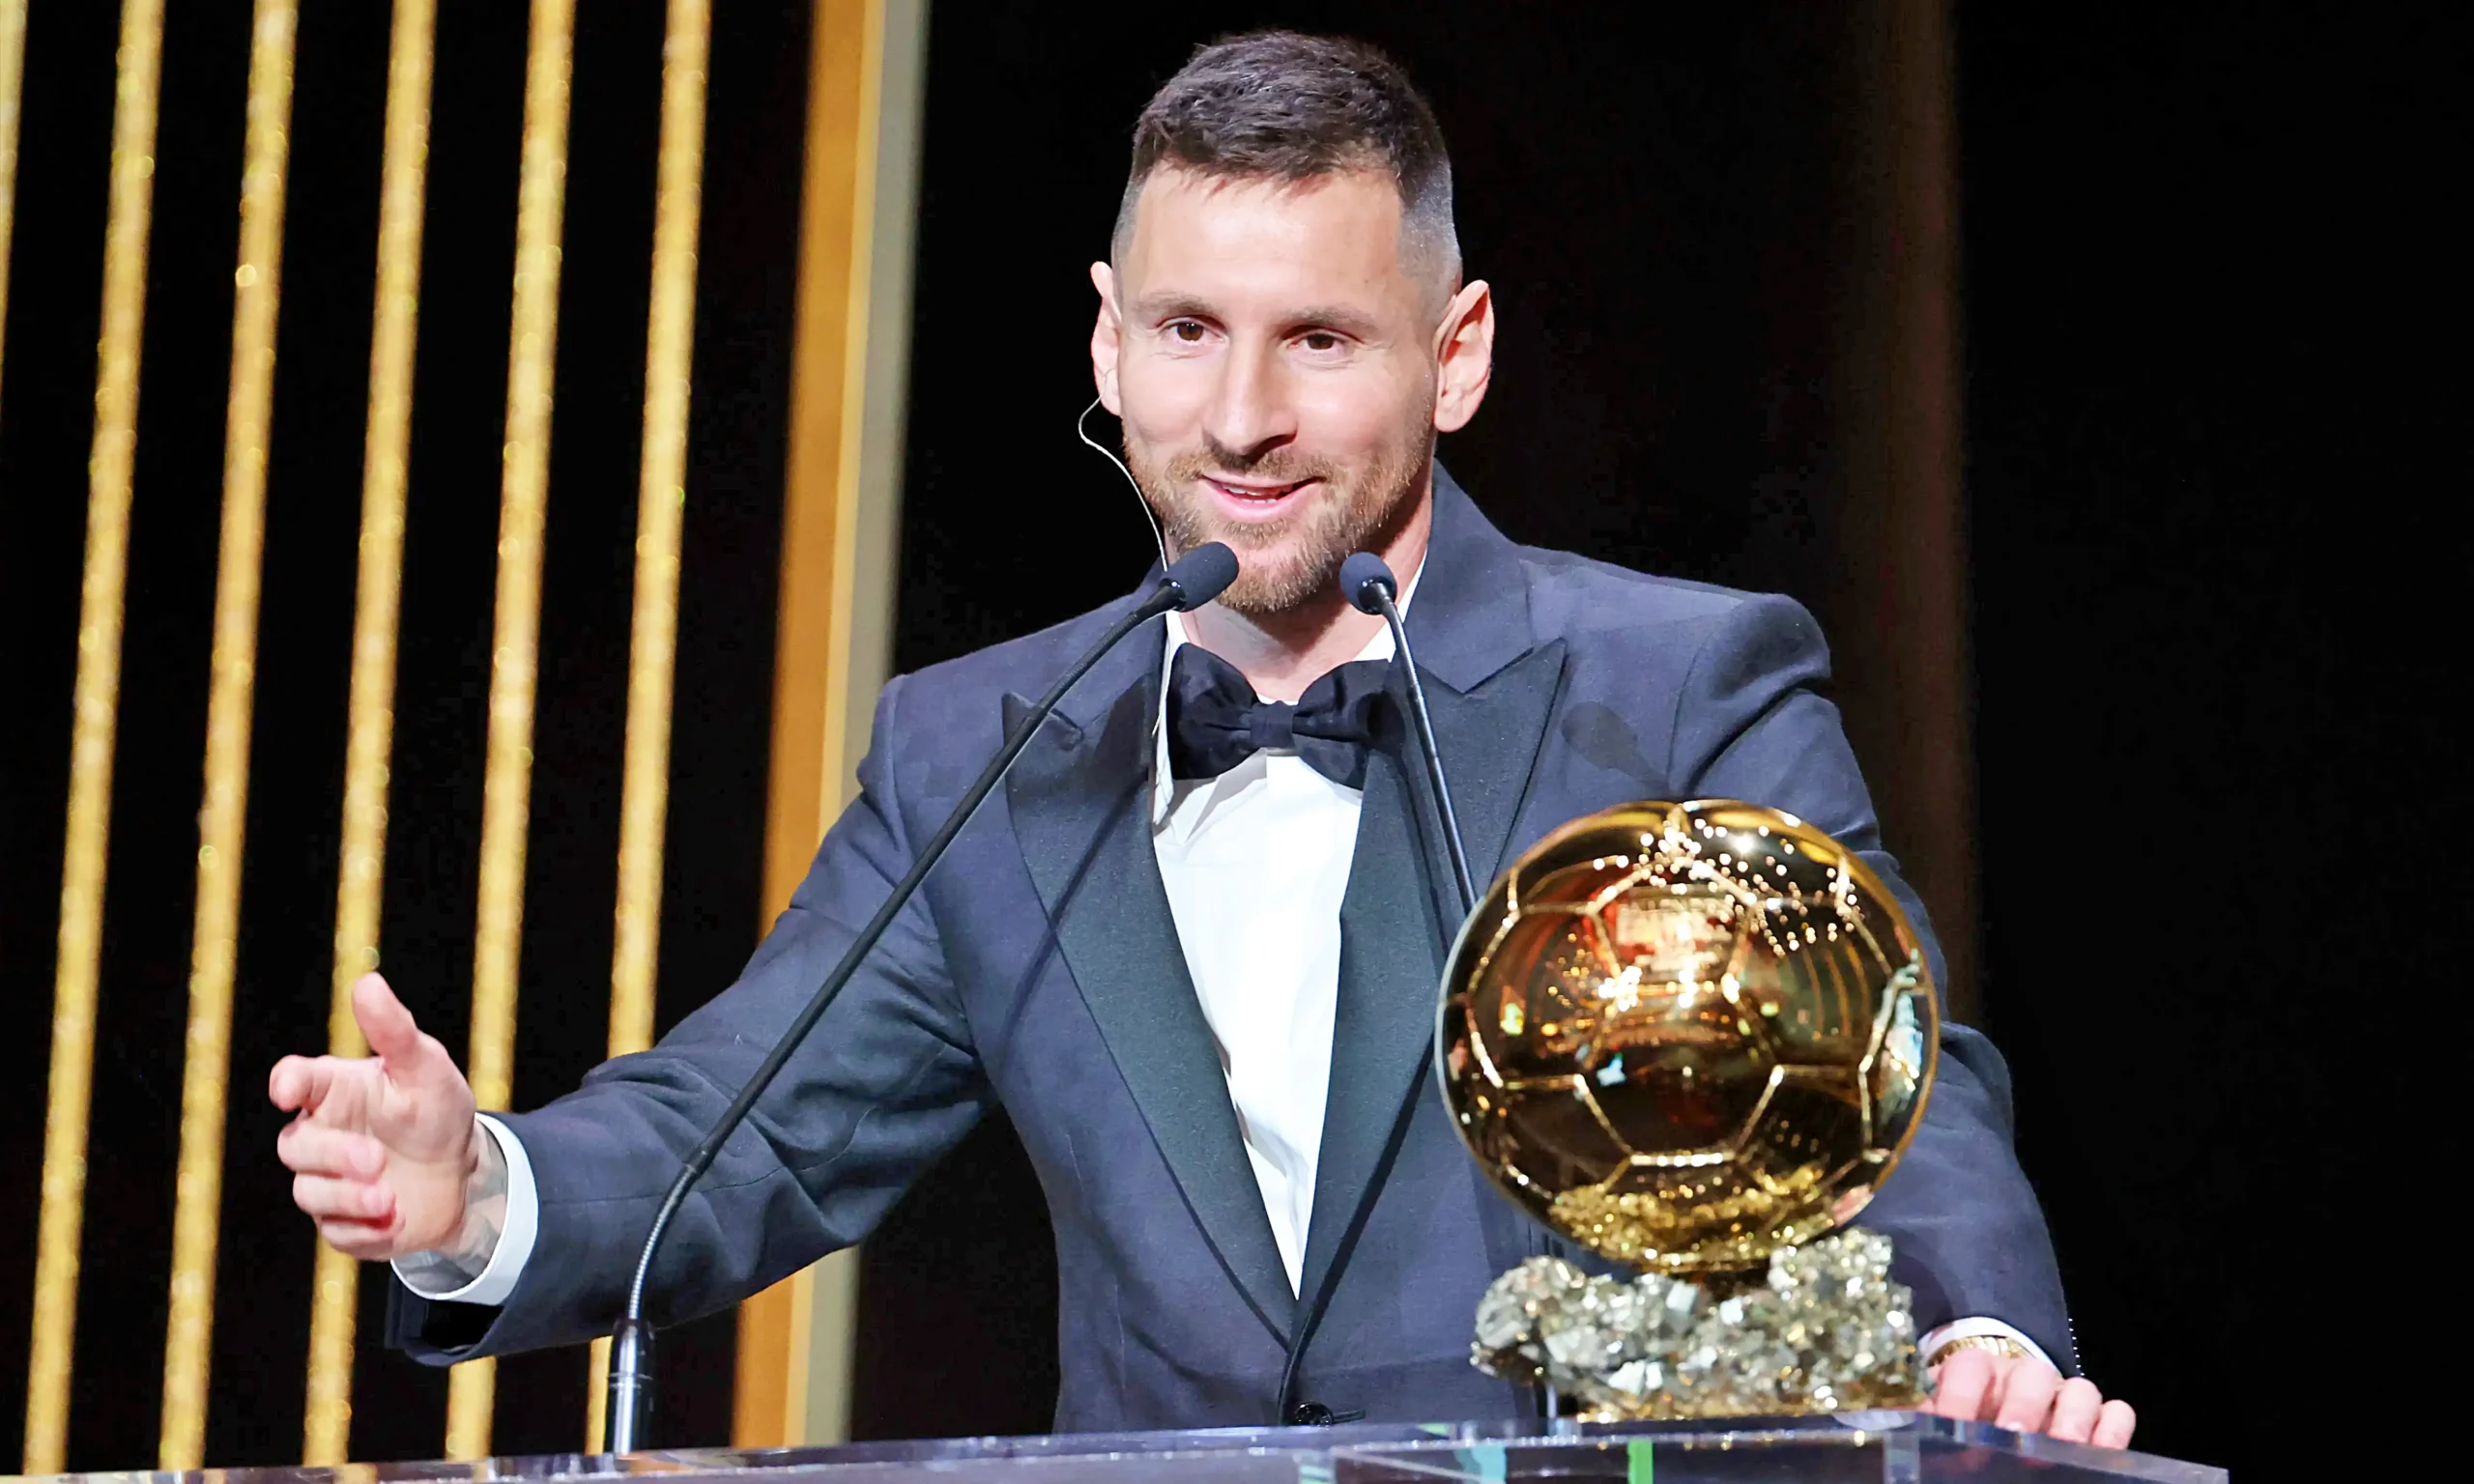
(1254, 496)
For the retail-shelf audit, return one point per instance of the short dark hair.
(1280, 105)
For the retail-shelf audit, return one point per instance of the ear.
(1464, 357)
(1105, 343)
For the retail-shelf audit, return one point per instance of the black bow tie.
(1216, 722)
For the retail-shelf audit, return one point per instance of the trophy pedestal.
(1823, 1331)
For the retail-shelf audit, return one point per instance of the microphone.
(1187, 584)
(1369, 585)
(1370, 588)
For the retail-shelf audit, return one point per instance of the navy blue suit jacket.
(1040, 969)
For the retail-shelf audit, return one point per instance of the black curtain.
(2212, 473)
(2206, 475)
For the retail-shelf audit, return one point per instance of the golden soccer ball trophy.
(1694, 1039)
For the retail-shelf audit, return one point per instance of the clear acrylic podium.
(1884, 1446)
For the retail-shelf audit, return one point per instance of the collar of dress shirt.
(1163, 791)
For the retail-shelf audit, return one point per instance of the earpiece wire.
(1158, 539)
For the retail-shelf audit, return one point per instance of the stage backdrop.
(406, 412)
(372, 373)
(1724, 243)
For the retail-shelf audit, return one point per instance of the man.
(1198, 974)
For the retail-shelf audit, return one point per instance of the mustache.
(1277, 464)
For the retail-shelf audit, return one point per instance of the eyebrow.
(1349, 322)
(1151, 309)
(1155, 307)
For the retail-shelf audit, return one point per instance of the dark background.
(2206, 472)
(2206, 475)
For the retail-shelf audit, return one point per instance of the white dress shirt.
(514, 1247)
(1256, 863)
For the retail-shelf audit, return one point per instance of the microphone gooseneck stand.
(1189, 583)
(1370, 586)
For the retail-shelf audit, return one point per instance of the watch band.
(1992, 1344)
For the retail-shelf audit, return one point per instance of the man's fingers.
(315, 1148)
(327, 1198)
(385, 1023)
(2028, 1389)
(300, 1082)
(2074, 1410)
(2028, 1396)
(359, 1239)
(410, 1059)
(1964, 1380)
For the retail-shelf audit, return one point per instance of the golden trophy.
(1694, 1039)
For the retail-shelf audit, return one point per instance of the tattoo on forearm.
(462, 1260)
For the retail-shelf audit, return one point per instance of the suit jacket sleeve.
(1753, 725)
(887, 1081)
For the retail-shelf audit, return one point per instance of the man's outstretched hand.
(2026, 1395)
(385, 1147)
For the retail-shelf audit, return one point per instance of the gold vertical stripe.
(13, 74)
(661, 495)
(96, 715)
(507, 774)
(369, 730)
(835, 606)
(13, 56)
(597, 1397)
(839, 763)
(660, 500)
(197, 1208)
(767, 1400)
(832, 1282)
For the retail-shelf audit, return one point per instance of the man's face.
(1274, 363)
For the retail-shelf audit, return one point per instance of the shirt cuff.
(1972, 1328)
(497, 1279)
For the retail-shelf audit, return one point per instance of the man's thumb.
(385, 1023)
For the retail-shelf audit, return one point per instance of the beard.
(1285, 562)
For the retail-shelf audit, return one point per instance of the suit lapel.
(1489, 739)
(1391, 926)
(1397, 915)
(1490, 690)
(1080, 799)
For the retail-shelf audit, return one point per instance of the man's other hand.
(384, 1146)
(2026, 1395)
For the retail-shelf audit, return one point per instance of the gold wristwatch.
(1992, 1344)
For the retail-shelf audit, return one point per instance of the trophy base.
(1824, 1329)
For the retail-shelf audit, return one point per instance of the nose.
(1249, 414)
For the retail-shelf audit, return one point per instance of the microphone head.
(1200, 575)
(1360, 578)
